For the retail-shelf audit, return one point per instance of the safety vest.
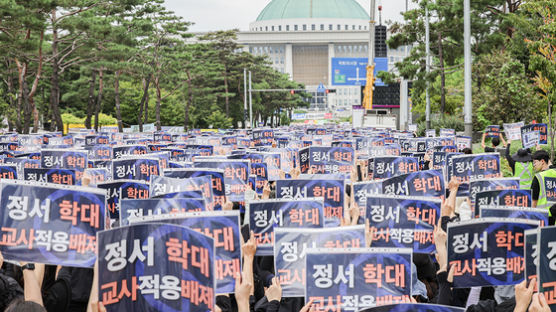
(525, 173)
(542, 202)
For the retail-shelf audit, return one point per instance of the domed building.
(319, 43)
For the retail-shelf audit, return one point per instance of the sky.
(210, 15)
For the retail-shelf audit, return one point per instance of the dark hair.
(9, 291)
(541, 155)
(21, 305)
(496, 141)
(467, 150)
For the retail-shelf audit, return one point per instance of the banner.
(265, 215)
(527, 213)
(513, 130)
(476, 186)
(97, 175)
(429, 183)
(331, 160)
(8, 172)
(56, 176)
(472, 167)
(360, 191)
(50, 223)
(431, 133)
(387, 167)
(290, 247)
(487, 252)
(236, 175)
(492, 131)
(128, 150)
(531, 254)
(217, 176)
(464, 142)
(531, 139)
(447, 132)
(264, 137)
(414, 307)
(403, 222)
(498, 198)
(331, 189)
(139, 208)
(540, 127)
(156, 267)
(223, 227)
(135, 168)
(163, 185)
(546, 246)
(354, 279)
(122, 189)
(64, 159)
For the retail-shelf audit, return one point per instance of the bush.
(218, 120)
(448, 122)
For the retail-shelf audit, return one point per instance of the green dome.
(286, 9)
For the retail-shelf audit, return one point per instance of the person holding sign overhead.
(495, 142)
(541, 163)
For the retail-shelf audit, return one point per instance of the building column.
(288, 59)
(330, 99)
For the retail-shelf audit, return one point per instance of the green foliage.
(69, 118)
(218, 120)
(448, 122)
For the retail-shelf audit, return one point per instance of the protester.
(544, 169)
(521, 164)
(495, 143)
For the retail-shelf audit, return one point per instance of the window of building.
(266, 28)
(304, 26)
(321, 26)
(272, 28)
(313, 27)
(330, 27)
(359, 27)
(295, 27)
(346, 27)
(353, 27)
(339, 27)
(279, 27)
(287, 27)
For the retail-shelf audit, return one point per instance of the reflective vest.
(525, 172)
(543, 202)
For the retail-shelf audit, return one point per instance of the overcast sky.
(211, 15)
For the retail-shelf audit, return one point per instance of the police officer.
(541, 163)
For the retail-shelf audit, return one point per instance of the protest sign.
(56, 176)
(135, 168)
(472, 167)
(223, 227)
(387, 167)
(362, 190)
(540, 127)
(64, 159)
(447, 132)
(50, 223)
(464, 142)
(550, 189)
(100, 152)
(329, 187)
(331, 160)
(428, 183)
(138, 208)
(403, 222)
(265, 215)
(414, 307)
(531, 139)
(354, 279)
(498, 198)
(217, 176)
(163, 185)
(263, 137)
(156, 267)
(128, 150)
(431, 133)
(8, 172)
(290, 246)
(236, 175)
(531, 254)
(476, 186)
(22, 163)
(97, 175)
(513, 130)
(546, 270)
(487, 252)
(527, 213)
(122, 189)
(492, 131)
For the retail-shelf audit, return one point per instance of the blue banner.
(128, 150)
(332, 190)
(546, 247)
(236, 175)
(217, 176)
(472, 167)
(527, 213)
(387, 167)
(56, 176)
(540, 127)
(354, 279)
(331, 160)
(414, 307)
(403, 222)
(531, 254)
(51, 224)
(487, 252)
(163, 185)
(477, 186)
(264, 137)
(139, 208)
(290, 246)
(264, 215)
(65, 159)
(135, 168)
(8, 172)
(156, 267)
(429, 183)
(500, 198)
(122, 189)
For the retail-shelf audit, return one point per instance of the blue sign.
(347, 71)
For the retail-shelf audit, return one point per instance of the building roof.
(288, 9)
